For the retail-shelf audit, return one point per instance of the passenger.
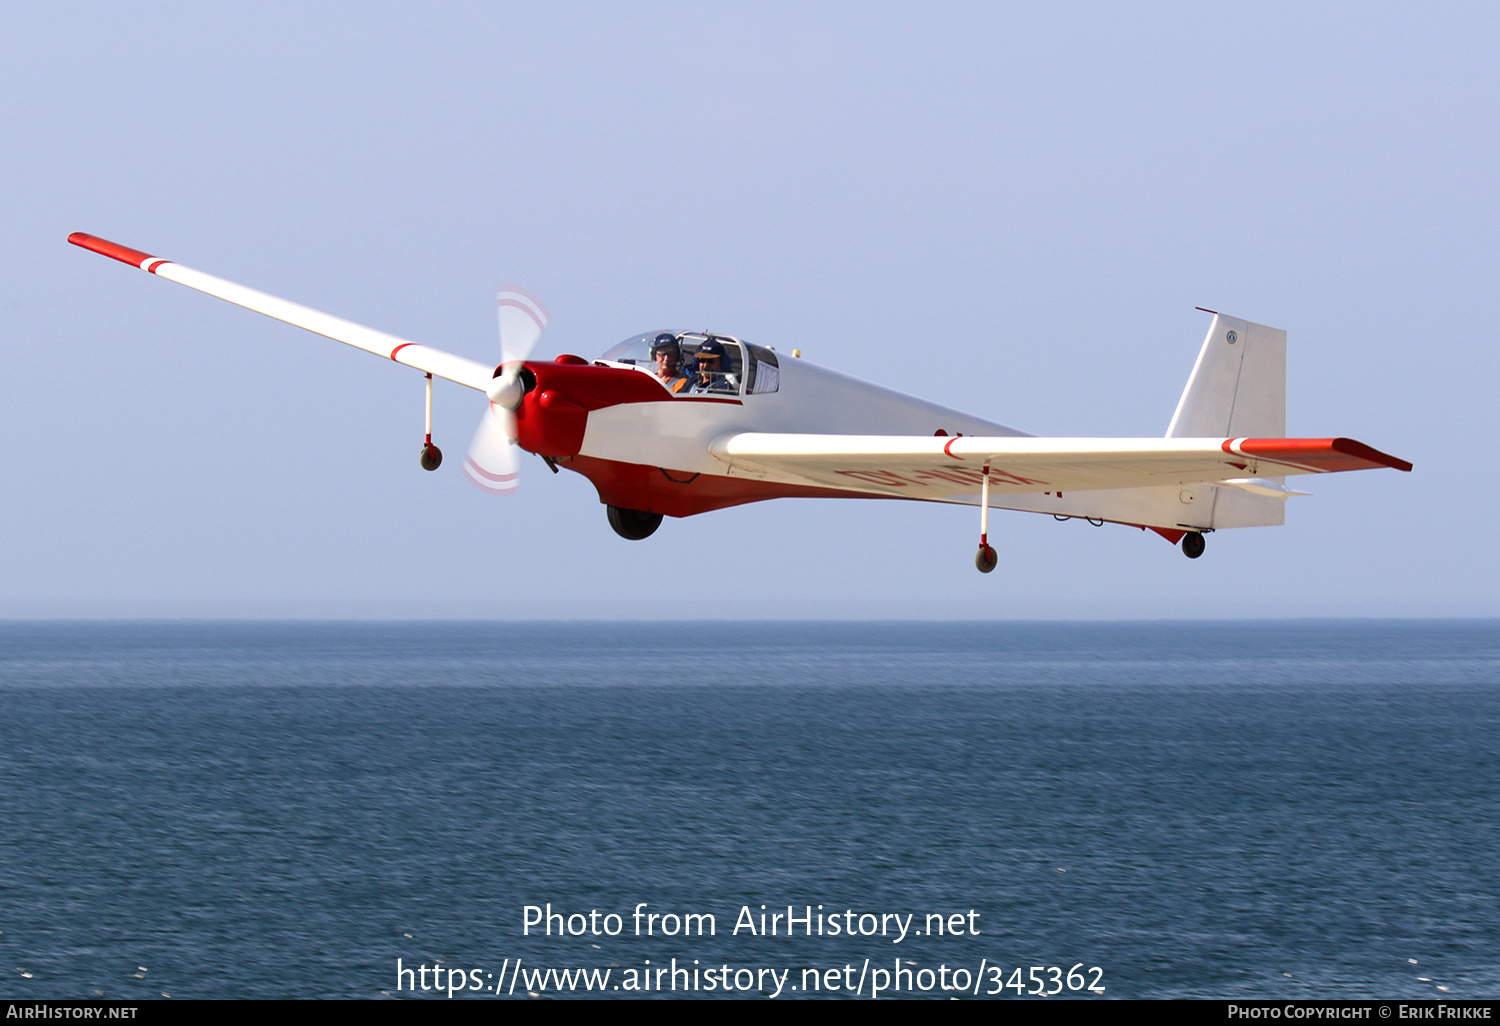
(668, 355)
(711, 376)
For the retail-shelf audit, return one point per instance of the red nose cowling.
(554, 413)
(552, 416)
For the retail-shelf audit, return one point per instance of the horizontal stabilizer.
(1261, 486)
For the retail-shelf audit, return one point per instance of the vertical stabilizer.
(1237, 390)
(1238, 386)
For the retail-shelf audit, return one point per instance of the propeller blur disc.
(493, 463)
(522, 321)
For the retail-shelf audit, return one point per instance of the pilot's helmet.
(665, 341)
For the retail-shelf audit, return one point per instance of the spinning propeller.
(492, 464)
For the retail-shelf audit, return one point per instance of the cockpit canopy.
(745, 369)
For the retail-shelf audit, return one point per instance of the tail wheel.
(632, 523)
(1193, 545)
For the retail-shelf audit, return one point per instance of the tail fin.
(1237, 390)
(1238, 386)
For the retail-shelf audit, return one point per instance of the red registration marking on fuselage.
(926, 476)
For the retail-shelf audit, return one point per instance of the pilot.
(668, 356)
(711, 376)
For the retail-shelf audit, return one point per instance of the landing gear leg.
(432, 456)
(985, 559)
(632, 523)
(1193, 545)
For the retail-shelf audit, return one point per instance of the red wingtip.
(1321, 454)
(114, 250)
(1361, 451)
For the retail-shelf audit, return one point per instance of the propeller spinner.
(492, 464)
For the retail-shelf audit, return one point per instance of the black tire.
(632, 523)
(1193, 545)
(986, 559)
(432, 457)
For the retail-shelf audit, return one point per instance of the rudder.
(1237, 390)
(1238, 386)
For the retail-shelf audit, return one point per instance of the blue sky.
(1012, 210)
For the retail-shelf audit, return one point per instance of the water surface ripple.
(1202, 809)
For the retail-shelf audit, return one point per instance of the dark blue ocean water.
(1198, 809)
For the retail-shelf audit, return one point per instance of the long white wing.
(934, 468)
(413, 354)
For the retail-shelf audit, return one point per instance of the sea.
(776, 811)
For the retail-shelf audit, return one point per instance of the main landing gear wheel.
(985, 559)
(1193, 545)
(632, 523)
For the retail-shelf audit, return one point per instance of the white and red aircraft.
(682, 435)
